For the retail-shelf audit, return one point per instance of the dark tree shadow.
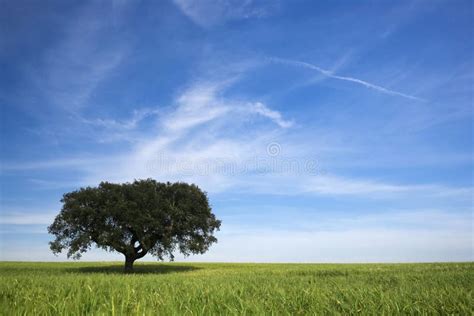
(137, 269)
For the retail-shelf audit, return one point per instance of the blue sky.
(329, 131)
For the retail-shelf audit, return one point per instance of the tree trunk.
(129, 264)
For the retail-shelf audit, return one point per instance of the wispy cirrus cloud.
(27, 216)
(113, 124)
(71, 69)
(60, 163)
(275, 116)
(207, 13)
(197, 105)
(199, 139)
(202, 127)
(327, 185)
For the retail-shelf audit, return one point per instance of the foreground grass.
(205, 289)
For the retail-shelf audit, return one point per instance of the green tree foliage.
(135, 219)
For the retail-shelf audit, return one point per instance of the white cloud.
(395, 236)
(197, 105)
(59, 163)
(201, 140)
(339, 185)
(73, 68)
(202, 128)
(132, 123)
(275, 116)
(27, 216)
(366, 245)
(206, 13)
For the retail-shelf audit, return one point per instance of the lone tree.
(135, 219)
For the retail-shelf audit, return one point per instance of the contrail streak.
(330, 74)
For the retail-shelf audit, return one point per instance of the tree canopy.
(135, 219)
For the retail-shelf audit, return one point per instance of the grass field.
(80, 288)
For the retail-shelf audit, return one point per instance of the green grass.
(81, 288)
